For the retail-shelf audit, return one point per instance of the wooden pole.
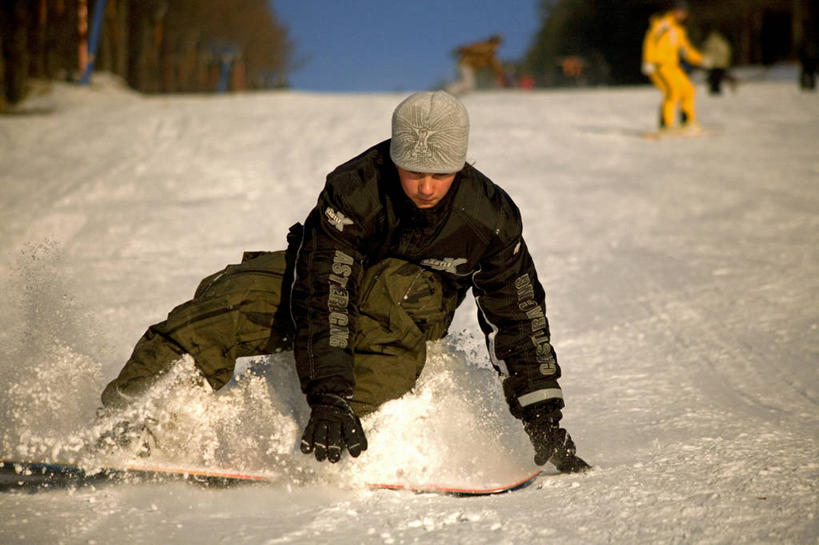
(82, 30)
(41, 52)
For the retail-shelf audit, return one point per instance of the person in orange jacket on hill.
(665, 42)
(475, 57)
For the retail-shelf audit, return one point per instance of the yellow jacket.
(666, 40)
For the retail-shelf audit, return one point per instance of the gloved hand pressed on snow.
(333, 426)
(552, 443)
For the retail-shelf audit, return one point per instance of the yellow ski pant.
(677, 89)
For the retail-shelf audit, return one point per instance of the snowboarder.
(400, 233)
(664, 42)
(475, 57)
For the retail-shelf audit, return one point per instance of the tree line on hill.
(209, 45)
(155, 45)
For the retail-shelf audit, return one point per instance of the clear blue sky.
(396, 45)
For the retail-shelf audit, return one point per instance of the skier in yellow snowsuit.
(665, 42)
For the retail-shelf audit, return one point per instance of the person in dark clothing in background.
(718, 50)
(808, 57)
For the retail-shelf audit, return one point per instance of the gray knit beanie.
(430, 133)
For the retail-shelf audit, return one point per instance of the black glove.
(333, 426)
(552, 443)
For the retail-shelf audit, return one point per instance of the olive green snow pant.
(243, 311)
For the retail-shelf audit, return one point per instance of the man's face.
(425, 189)
(680, 15)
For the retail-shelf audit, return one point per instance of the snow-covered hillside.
(682, 278)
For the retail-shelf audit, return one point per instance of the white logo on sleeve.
(337, 219)
(447, 264)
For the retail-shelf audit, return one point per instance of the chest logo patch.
(447, 264)
(337, 219)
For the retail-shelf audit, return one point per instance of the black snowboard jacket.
(472, 238)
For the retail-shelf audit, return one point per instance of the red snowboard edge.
(441, 489)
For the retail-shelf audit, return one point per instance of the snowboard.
(17, 474)
(43, 475)
(450, 490)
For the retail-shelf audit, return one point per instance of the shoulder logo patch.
(337, 219)
(447, 264)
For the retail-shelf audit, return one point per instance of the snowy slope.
(682, 280)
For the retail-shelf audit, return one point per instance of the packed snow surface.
(682, 281)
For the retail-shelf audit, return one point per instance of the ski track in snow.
(682, 280)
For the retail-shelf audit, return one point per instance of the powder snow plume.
(48, 375)
(454, 427)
